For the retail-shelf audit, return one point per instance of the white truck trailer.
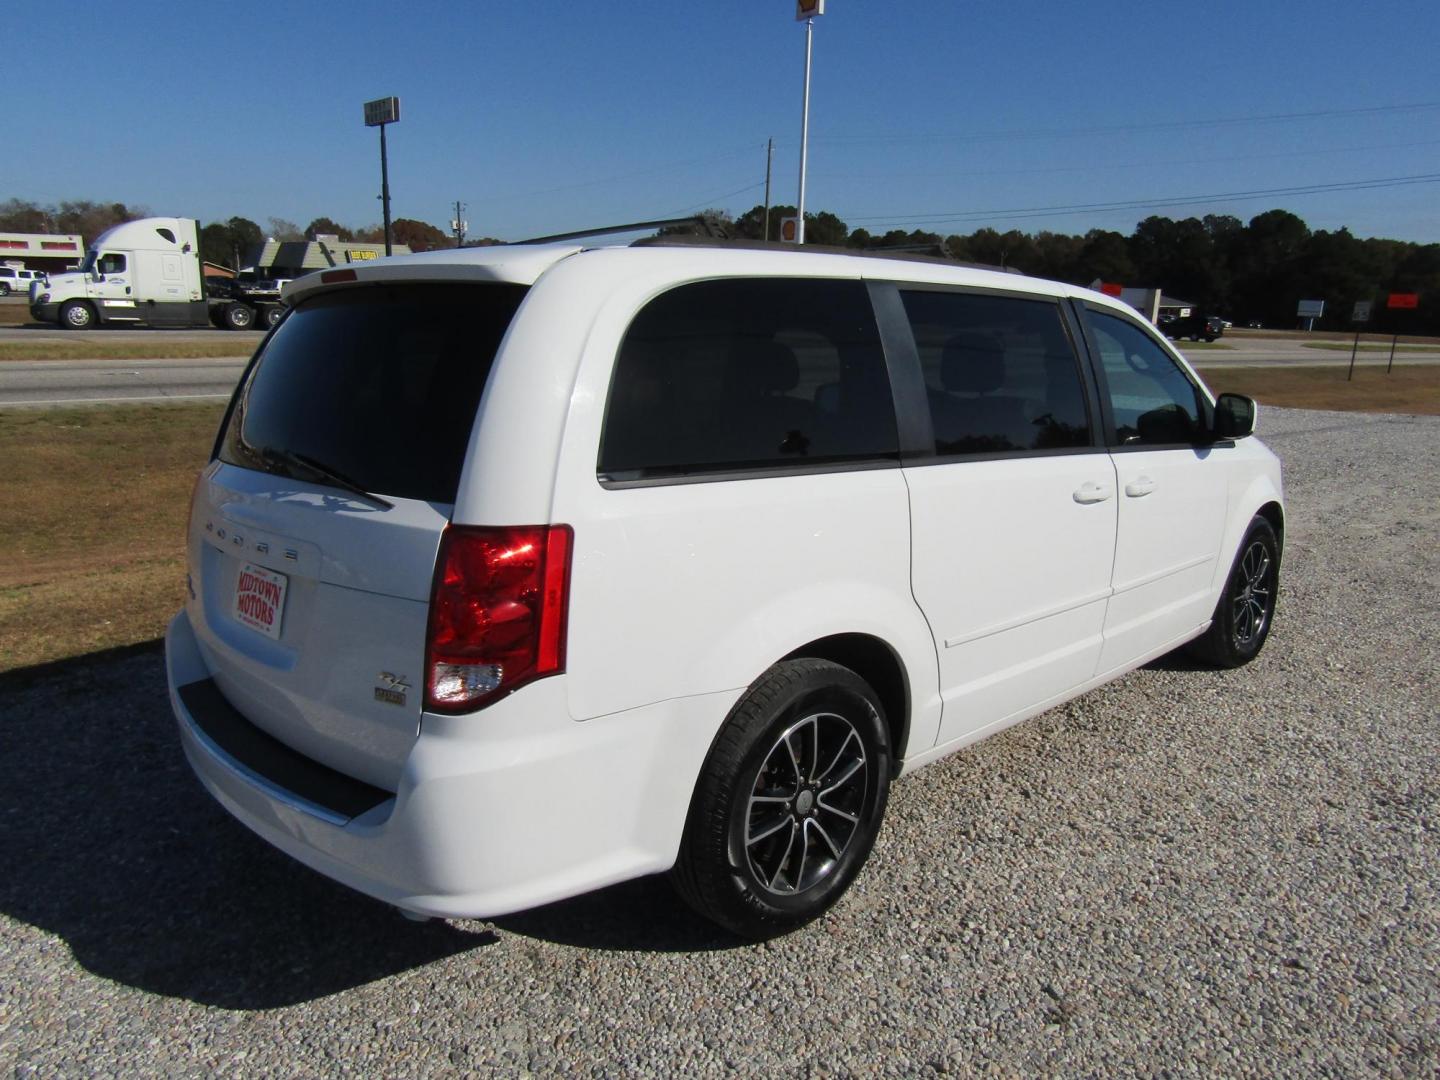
(148, 273)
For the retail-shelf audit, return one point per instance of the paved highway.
(88, 382)
(74, 382)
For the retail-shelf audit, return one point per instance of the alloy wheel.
(1254, 592)
(804, 809)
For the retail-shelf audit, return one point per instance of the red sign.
(1403, 300)
(1110, 288)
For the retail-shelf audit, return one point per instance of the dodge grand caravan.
(519, 571)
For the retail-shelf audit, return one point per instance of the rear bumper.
(496, 812)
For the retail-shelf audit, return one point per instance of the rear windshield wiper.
(324, 472)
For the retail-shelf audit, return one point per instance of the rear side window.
(743, 374)
(1000, 373)
(379, 384)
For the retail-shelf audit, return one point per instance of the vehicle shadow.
(108, 842)
(644, 915)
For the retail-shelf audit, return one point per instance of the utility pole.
(458, 224)
(769, 157)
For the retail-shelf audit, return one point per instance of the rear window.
(379, 384)
(749, 374)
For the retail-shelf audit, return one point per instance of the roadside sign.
(808, 9)
(1111, 288)
(1403, 300)
(789, 229)
(1311, 309)
(1361, 312)
(385, 110)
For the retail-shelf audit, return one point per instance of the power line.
(713, 199)
(943, 217)
(1111, 166)
(748, 148)
(1121, 129)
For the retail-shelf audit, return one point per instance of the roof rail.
(711, 226)
(926, 253)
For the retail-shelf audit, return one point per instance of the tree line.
(1256, 270)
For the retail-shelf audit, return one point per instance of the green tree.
(822, 227)
(230, 243)
(1269, 270)
(284, 231)
(215, 245)
(21, 215)
(418, 235)
(324, 226)
(1007, 250)
(1105, 255)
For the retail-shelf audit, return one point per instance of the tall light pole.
(378, 113)
(805, 11)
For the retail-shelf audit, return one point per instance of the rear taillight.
(497, 613)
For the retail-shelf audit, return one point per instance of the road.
(76, 382)
(90, 382)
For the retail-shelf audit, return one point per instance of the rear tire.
(239, 317)
(77, 315)
(1246, 609)
(272, 315)
(4, 288)
(789, 801)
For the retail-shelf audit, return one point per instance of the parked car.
(17, 280)
(1194, 327)
(519, 571)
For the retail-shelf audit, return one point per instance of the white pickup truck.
(16, 279)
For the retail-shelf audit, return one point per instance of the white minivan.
(518, 571)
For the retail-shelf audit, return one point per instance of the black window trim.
(1084, 308)
(768, 471)
(912, 405)
(730, 472)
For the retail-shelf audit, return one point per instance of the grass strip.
(91, 549)
(1409, 389)
(151, 348)
(1367, 347)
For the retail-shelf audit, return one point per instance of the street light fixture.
(378, 113)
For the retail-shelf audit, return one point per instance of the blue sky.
(550, 116)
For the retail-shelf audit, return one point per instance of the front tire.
(77, 315)
(789, 801)
(1246, 610)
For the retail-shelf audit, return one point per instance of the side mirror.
(1234, 416)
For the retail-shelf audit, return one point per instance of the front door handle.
(1140, 486)
(1091, 492)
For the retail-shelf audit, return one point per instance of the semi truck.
(148, 273)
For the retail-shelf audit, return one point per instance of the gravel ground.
(1185, 872)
